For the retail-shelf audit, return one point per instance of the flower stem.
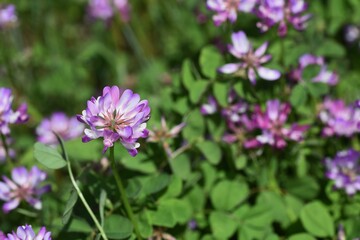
(6, 147)
(81, 196)
(123, 194)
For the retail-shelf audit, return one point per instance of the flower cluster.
(116, 115)
(66, 127)
(107, 9)
(7, 15)
(163, 134)
(344, 169)
(324, 75)
(339, 119)
(251, 61)
(7, 115)
(25, 185)
(282, 13)
(227, 9)
(26, 233)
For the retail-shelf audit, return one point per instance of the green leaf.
(310, 72)
(318, 89)
(330, 48)
(102, 200)
(133, 188)
(181, 166)
(222, 225)
(211, 151)
(228, 194)
(79, 225)
(163, 216)
(301, 236)
(69, 206)
(155, 184)
(305, 188)
(181, 210)
(48, 156)
(298, 95)
(195, 126)
(186, 74)
(117, 227)
(221, 91)
(140, 163)
(145, 228)
(197, 90)
(317, 220)
(210, 61)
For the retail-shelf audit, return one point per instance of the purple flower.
(351, 33)
(272, 125)
(7, 115)
(344, 169)
(251, 61)
(7, 15)
(282, 12)
(339, 119)
(227, 9)
(67, 128)
(106, 9)
(23, 186)
(116, 115)
(164, 133)
(324, 75)
(27, 233)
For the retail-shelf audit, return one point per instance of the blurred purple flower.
(23, 186)
(282, 12)
(251, 61)
(344, 169)
(164, 133)
(66, 127)
(324, 76)
(106, 9)
(116, 115)
(351, 33)
(7, 15)
(227, 9)
(27, 233)
(7, 115)
(272, 124)
(340, 119)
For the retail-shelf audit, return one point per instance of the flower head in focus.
(7, 16)
(107, 9)
(324, 75)
(117, 115)
(251, 61)
(282, 13)
(66, 127)
(24, 185)
(163, 134)
(339, 119)
(7, 115)
(27, 233)
(227, 9)
(344, 169)
(272, 123)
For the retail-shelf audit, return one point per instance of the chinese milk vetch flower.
(228, 9)
(23, 185)
(282, 12)
(272, 123)
(107, 9)
(163, 134)
(351, 33)
(324, 75)
(27, 233)
(7, 115)
(117, 115)
(66, 127)
(7, 15)
(339, 119)
(344, 169)
(251, 61)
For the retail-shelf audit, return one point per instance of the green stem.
(123, 194)
(6, 147)
(81, 196)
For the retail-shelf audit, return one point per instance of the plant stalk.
(123, 194)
